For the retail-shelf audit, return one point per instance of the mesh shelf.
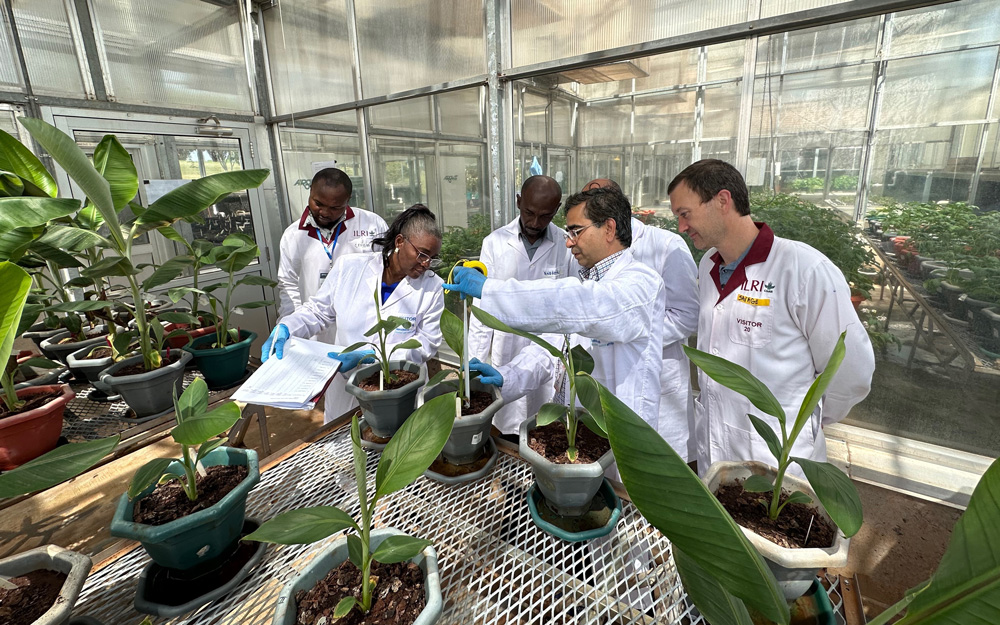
(496, 566)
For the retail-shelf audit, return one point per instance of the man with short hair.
(530, 247)
(668, 255)
(775, 306)
(328, 229)
(617, 307)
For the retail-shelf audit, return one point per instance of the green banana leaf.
(714, 602)
(691, 517)
(490, 321)
(18, 160)
(113, 162)
(415, 445)
(737, 378)
(26, 212)
(14, 286)
(451, 328)
(197, 195)
(60, 464)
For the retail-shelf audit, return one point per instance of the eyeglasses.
(425, 259)
(572, 234)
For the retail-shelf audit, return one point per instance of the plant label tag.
(477, 437)
(200, 468)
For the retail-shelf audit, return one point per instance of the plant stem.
(783, 463)
(366, 527)
(571, 421)
(10, 395)
(150, 359)
(190, 473)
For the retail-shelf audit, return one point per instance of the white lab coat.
(505, 258)
(621, 315)
(304, 263)
(347, 298)
(781, 320)
(668, 255)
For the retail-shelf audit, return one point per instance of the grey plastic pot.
(148, 393)
(89, 369)
(286, 610)
(75, 565)
(568, 488)
(385, 411)
(470, 432)
(48, 376)
(795, 569)
(51, 347)
(39, 333)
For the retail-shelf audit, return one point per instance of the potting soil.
(100, 352)
(36, 401)
(397, 598)
(401, 378)
(550, 442)
(479, 401)
(168, 502)
(36, 592)
(788, 530)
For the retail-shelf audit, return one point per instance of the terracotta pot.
(179, 341)
(27, 435)
(856, 301)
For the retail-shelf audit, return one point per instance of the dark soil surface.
(397, 598)
(169, 587)
(789, 530)
(35, 402)
(480, 401)
(92, 334)
(100, 352)
(36, 592)
(550, 442)
(138, 367)
(168, 502)
(401, 378)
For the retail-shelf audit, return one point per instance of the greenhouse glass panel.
(965, 23)
(304, 152)
(722, 110)
(988, 190)
(309, 52)
(772, 8)
(49, 51)
(405, 44)
(460, 112)
(343, 118)
(948, 87)
(667, 70)
(10, 69)
(824, 100)
(562, 121)
(446, 176)
(725, 61)
(814, 48)
(8, 123)
(606, 124)
(557, 29)
(926, 164)
(413, 114)
(182, 53)
(663, 117)
(533, 117)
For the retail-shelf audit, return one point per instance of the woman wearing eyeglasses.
(407, 288)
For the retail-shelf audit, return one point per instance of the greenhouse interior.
(643, 311)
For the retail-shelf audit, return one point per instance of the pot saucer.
(600, 520)
(448, 473)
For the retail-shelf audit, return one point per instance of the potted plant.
(110, 183)
(737, 483)
(567, 484)
(200, 253)
(475, 404)
(222, 357)
(416, 444)
(30, 418)
(387, 389)
(176, 527)
(89, 362)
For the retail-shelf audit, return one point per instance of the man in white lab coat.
(668, 255)
(328, 229)
(529, 248)
(617, 303)
(772, 305)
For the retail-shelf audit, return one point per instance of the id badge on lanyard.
(329, 250)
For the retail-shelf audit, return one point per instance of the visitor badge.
(753, 301)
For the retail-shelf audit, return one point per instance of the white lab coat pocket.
(739, 443)
(752, 322)
(671, 379)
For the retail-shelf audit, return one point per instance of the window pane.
(829, 99)
(926, 164)
(48, 47)
(604, 124)
(722, 110)
(818, 47)
(406, 44)
(309, 54)
(460, 112)
(725, 60)
(668, 117)
(966, 23)
(667, 70)
(304, 152)
(184, 53)
(10, 69)
(412, 114)
(938, 88)
(533, 117)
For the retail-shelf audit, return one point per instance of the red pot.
(179, 341)
(856, 301)
(27, 435)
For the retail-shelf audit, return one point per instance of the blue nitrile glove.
(275, 343)
(488, 375)
(349, 360)
(468, 281)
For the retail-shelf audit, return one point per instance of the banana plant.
(14, 286)
(110, 183)
(578, 365)
(381, 331)
(197, 426)
(235, 254)
(54, 467)
(833, 488)
(453, 330)
(409, 453)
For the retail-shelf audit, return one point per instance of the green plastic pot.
(222, 366)
(196, 538)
